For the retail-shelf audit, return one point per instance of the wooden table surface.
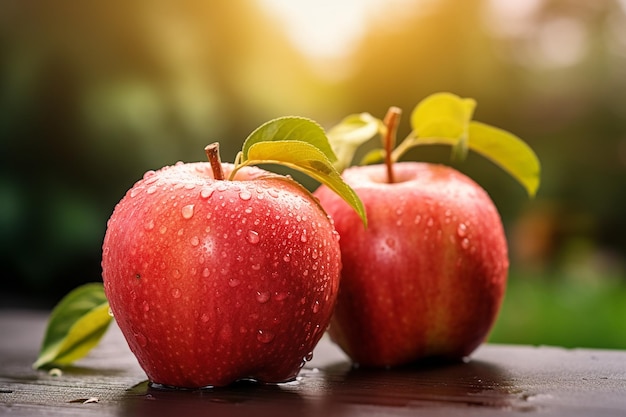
(498, 380)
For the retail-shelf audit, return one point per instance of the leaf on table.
(76, 325)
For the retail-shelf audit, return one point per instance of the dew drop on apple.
(151, 190)
(245, 195)
(262, 296)
(187, 211)
(309, 357)
(316, 307)
(465, 243)
(206, 192)
(264, 336)
(461, 230)
(280, 296)
(234, 282)
(141, 339)
(195, 241)
(253, 237)
(148, 174)
(149, 225)
(162, 229)
(145, 306)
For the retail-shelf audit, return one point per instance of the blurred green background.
(93, 94)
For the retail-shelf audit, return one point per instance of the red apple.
(212, 281)
(427, 277)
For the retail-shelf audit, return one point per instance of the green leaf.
(501, 147)
(442, 115)
(290, 128)
(308, 159)
(373, 157)
(75, 326)
(509, 152)
(349, 134)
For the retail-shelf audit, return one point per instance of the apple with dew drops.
(221, 272)
(427, 277)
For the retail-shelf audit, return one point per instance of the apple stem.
(213, 154)
(392, 118)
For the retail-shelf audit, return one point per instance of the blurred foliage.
(563, 312)
(93, 94)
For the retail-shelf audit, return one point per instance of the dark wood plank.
(498, 380)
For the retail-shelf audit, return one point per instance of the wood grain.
(498, 380)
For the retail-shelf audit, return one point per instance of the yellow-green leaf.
(509, 152)
(349, 134)
(75, 326)
(308, 159)
(290, 128)
(373, 157)
(442, 115)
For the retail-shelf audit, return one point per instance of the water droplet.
(265, 336)
(134, 192)
(149, 225)
(303, 237)
(280, 296)
(206, 192)
(110, 312)
(252, 237)
(465, 243)
(262, 296)
(256, 267)
(316, 307)
(190, 186)
(187, 211)
(222, 186)
(206, 272)
(309, 357)
(272, 192)
(233, 282)
(195, 241)
(286, 258)
(148, 174)
(141, 339)
(461, 230)
(176, 293)
(146, 306)
(205, 318)
(151, 190)
(162, 229)
(245, 195)
(315, 254)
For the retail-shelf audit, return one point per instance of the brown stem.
(213, 154)
(392, 118)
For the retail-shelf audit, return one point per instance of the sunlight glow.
(328, 31)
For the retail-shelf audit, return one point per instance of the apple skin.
(426, 279)
(213, 281)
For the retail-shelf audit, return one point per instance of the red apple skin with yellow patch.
(427, 277)
(213, 281)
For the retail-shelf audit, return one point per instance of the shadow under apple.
(423, 385)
